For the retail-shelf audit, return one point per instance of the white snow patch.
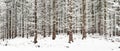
(60, 43)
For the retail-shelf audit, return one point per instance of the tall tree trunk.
(54, 20)
(35, 15)
(22, 19)
(9, 24)
(105, 17)
(49, 10)
(100, 28)
(84, 19)
(70, 10)
(93, 20)
(44, 18)
(15, 20)
(7, 19)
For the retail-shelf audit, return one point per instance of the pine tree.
(49, 14)
(7, 19)
(54, 20)
(84, 19)
(105, 6)
(10, 24)
(100, 18)
(44, 18)
(23, 19)
(35, 15)
(70, 12)
(93, 19)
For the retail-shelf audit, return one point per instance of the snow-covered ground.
(91, 43)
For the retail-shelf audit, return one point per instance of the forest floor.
(91, 43)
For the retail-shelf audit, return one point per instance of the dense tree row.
(27, 18)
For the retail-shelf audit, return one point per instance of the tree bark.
(105, 17)
(35, 14)
(10, 24)
(22, 19)
(84, 19)
(70, 9)
(54, 20)
(44, 18)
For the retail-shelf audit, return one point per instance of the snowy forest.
(64, 19)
